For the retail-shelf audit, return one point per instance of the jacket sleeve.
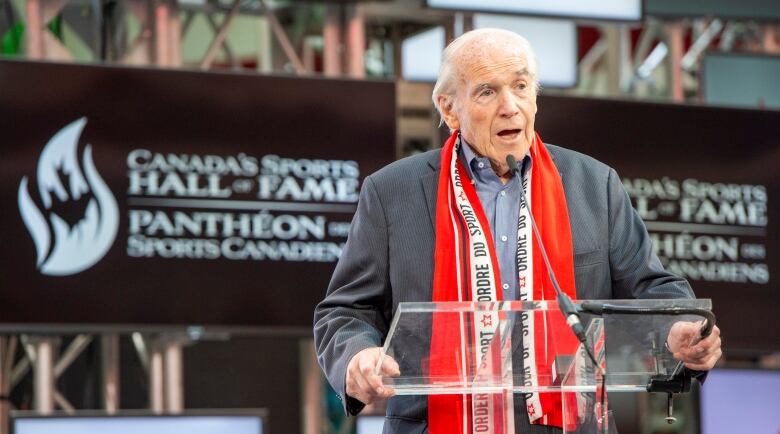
(354, 314)
(636, 270)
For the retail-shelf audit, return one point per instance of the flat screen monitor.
(372, 424)
(623, 10)
(421, 55)
(740, 401)
(245, 423)
(554, 42)
(762, 10)
(741, 79)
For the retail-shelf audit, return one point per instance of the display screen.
(756, 87)
(553, 41)
(766, 10)
(369, 424)
(628, 10)
(139, 424)
(740, 401)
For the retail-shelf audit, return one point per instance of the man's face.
(495, 102)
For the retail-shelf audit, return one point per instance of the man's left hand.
(686, 345)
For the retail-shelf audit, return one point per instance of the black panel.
(706, 182)
(312, 141)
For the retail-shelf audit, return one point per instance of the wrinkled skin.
(686, 345)
(494, 106)
(363, 383)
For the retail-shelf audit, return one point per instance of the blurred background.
(680, 96)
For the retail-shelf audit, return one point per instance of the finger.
(360, 380)
(689, 330)
(707, 345)
(715, 331)
(390, 367)
(681, 334)
(367, 364)
(707, 364)
(377, 387)
(353, 390)
(353, 384)
(700, 350)
(689, 356)
(692, 355)
(702, 355)
(389, 391)
(687, 353)
(373, 381)
(365, 393)
(715, 334)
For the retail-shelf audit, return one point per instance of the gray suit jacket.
(388, 258)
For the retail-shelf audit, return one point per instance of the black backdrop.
(705, 178)
(705, 152)
(320, 135)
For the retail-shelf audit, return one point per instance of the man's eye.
(521, 86)
(486, 92)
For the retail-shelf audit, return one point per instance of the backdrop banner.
(704, 180)
(170, 197)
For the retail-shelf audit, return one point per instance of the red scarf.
(457, 207)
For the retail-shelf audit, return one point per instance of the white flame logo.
(78, 246)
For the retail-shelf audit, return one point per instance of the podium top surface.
(545, 305)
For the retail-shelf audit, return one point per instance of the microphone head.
(512, 163)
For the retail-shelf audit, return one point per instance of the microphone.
(565, 303)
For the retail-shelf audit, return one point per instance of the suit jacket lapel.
(430, 184)
(552, 155)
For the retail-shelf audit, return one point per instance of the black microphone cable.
(565, 303)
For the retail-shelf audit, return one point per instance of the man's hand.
(362, 383)
(686, 345)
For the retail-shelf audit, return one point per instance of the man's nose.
(507, 104)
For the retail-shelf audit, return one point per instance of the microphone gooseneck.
(565, 303)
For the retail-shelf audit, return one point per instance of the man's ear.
(447, 109)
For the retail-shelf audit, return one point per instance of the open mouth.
(509, 133)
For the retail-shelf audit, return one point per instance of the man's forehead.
(485, 70)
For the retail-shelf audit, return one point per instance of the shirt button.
(503, 193)
(505, 286)
(503, 237)
(481, 165)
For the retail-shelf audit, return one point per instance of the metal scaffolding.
(340, 33)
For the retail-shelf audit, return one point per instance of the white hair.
(448, 71)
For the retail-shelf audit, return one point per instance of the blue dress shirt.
(501, 203)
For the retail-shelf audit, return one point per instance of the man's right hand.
(362, 383)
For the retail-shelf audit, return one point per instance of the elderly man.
(407, 234)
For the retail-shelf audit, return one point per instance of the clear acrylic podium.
(484, 351)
